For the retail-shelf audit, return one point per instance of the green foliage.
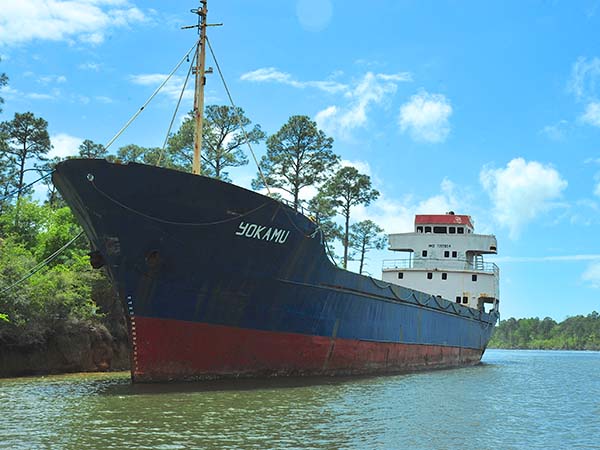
(89, 149)
(298, 155)
(573, 333)
(365, 236)
(348, 188)
(54, 198)
(323, 210)
(26, 137)
(61, 291)
(3, 82)
(222, 140)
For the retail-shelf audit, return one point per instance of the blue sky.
(485, 108)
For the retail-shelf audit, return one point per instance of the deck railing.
(439, 263)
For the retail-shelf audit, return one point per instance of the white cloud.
(585, 78)
(398, 216)
(173, 87)
(426, 116)
(372, 89)
(90, 66)
(362, 166)
(549, 258)
(557, 131)
(81, 20)
(103, 99)
(591, 116)
(339, 120)
(271, 74)
(12, 93)
(521, 191)
(592, 274)
(64, 145)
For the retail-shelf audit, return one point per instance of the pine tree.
(298, 155)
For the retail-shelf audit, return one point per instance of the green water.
(516, 399)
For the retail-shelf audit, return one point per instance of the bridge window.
(458, 299)
(429, 275)
(452, 230)
(400, 275)
(427, 229)
(419, 229)
(460, 230)
(424, 253)
(465, 299)
(473, 277)
(439, 230)
(446, 254)
(444, 276)
(454, 254)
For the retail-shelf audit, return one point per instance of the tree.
(348, 188)
(8, 178)
(365, 236)
(222, 140)
(298, 155)
(89, 149)
(3, 82)
(144, 155)
(323, 210)
(26, 137)
(54, 198)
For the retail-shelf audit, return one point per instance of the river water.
(514, 400)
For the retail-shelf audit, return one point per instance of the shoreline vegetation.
(574, 333)
(59, 315)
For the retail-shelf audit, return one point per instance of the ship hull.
(218, 281)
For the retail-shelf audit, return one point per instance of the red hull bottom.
(167, 350)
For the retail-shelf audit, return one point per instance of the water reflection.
(512, 400)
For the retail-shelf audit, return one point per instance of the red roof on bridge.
(444, 219)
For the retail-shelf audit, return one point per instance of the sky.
(484, 108)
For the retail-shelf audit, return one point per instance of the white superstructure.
(445, 258)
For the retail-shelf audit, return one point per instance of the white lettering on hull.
(254, 231)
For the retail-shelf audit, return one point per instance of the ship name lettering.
(254, 231)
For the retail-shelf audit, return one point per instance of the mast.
(199, 85)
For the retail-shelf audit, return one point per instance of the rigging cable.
(41, 265)
(16, 191)
(237, 115)
(172, 222)
(139, 111)
(187, 77)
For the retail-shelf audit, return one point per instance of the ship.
(218, 281)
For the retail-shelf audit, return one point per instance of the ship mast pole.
(199, 86)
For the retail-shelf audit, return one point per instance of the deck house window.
(458, 299)
(460, 230)
(452, 230)
(447, 254)
(454, 254)
(419, 229)
(444, 276)
(439, 230)
(424, 253)
(400, 275)
(473, 277)
(427, 229)
(429, 275)
(465, 299)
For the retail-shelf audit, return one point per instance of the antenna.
(200, 73)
